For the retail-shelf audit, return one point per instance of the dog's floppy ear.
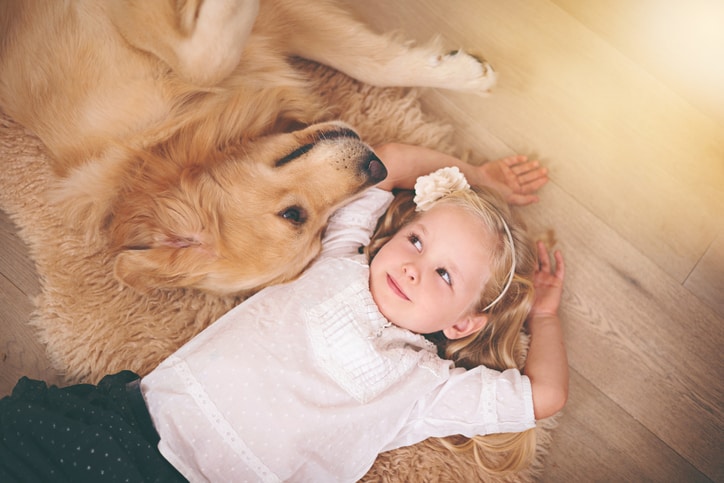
(174, 262)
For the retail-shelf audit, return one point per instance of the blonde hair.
(497, 345)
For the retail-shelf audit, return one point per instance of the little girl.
(311, 380)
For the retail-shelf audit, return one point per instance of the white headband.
(444, 181)
(512, 267)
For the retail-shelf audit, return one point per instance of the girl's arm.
(516, 178)
(547, 363)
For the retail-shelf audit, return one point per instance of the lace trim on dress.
(488, 398)
(220, 423)
(355, 346)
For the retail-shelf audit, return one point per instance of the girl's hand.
(514, 177)
(547, 363)
(548, 283)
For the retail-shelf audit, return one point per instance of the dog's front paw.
(464, 71)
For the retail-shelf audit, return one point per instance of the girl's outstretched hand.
(548, 282)
(547, 363)
(516, 178)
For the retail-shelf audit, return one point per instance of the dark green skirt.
(80, 433)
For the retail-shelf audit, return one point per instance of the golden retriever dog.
(180, 131)
(239, 219)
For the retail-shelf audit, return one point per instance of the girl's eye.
(415, 242)
(445, 275)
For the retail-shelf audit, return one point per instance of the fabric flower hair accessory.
(432, 187)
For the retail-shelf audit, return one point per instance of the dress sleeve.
(475, 402)
(351, 226)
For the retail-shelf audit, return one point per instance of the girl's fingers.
(535, 182)
(543, 259)
(520, 178)
(514, 161)
(530, 176)
(525, 169)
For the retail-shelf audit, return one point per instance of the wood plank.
(637, 335)
(707, 279)
(597, 441)
(20, 352)
(681, 43)
(14, 261)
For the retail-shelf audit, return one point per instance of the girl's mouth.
(396, 288)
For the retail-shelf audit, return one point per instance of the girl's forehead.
(449, 216)
(455, 226)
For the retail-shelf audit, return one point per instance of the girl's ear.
(466, 326)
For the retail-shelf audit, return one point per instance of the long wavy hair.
(497, 345)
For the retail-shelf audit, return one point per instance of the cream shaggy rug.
(93, 326)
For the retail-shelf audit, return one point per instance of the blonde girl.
(310, 380)
(508, 296)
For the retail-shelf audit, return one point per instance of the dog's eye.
(294, 214)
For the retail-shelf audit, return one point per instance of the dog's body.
(168, 122)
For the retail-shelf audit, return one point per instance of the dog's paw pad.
(465, 71)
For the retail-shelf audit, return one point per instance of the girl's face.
(430, 275)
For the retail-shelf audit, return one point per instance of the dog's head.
(242, 219)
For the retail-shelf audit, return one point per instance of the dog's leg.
(331, 36)
(201, 40)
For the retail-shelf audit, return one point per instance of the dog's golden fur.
(232, 221)
(158, 117)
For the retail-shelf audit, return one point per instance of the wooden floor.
(636, 203)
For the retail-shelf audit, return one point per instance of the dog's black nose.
(375, 169)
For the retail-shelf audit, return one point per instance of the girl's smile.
(396, 288)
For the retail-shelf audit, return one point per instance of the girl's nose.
(410, 272)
